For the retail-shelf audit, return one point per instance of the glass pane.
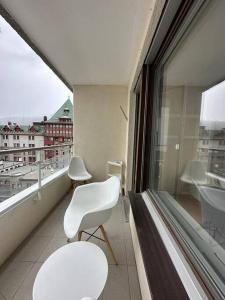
(189, 154)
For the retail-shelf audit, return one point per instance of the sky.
(28, 87)
(213, 104)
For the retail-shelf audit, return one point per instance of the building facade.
(21, 136)
(57, 130)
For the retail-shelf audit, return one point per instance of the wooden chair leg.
(79, 235)
(108, 243)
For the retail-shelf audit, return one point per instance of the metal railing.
(22, 167)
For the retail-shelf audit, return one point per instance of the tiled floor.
(18, 274)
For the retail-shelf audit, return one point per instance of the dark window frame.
(145, 113)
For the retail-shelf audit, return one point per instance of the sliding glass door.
(188, 153)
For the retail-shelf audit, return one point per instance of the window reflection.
(189, 154)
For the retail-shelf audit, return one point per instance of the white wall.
(17, 223)
(100, 127)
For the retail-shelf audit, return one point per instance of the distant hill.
(20, 120)
(217, 125)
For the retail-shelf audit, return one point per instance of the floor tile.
(117, 285)
(47, 228)
(12, 276)
(25, 290)
(32, 249)
(53, 245)
(119, 250)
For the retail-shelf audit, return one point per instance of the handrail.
(39, 161)
(21, 149)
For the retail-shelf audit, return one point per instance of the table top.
(74, 271)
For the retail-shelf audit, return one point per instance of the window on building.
(5, 144)
(14, 137)
(17, 137)
(188, 182)
(184, 106)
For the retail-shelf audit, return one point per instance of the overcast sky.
(28, 87)
(213, 104)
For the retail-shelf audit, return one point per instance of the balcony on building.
(140, 82)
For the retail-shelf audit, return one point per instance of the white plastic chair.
(77, 170)
(194, 173)
(73, 272)
(91, 206)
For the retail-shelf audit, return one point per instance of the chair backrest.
(110, 189)
(77, 165)
(96, 195)
(91, 205)
(195, 170)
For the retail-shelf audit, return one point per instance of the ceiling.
(87, 41)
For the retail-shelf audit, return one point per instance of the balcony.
(139, 79)
(18, 273)
(34, 216)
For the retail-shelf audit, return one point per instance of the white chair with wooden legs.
(77, 170)
(91, 206)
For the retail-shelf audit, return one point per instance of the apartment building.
(57, 130)
(21, 136)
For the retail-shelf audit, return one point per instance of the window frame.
(146, 124)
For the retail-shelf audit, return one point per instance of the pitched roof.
(24, 128)
(65, 111)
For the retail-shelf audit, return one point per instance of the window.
(14, 137)
(5, 144)
(187, 165)
(179, 153)
(17, 137)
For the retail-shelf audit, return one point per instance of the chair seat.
(80, 177)
(73, 272)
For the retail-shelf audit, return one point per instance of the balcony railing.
(21, 168)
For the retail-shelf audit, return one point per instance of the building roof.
(65, 111)
(24, 129)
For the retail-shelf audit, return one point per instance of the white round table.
(72, 272)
